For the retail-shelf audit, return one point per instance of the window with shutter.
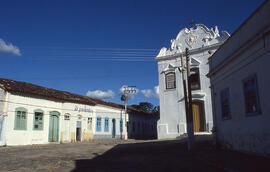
(98, 125)
(106, 125)
(170, 80)
(38, 120)
(225, 104)
(251, 95)
(23, 120)
(195, 79)
(20, 119)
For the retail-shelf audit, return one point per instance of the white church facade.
(202, 42)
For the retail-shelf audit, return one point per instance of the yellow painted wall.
(87, 136)
(61, 137)
(73, 136)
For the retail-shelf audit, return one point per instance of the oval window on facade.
(67, 116)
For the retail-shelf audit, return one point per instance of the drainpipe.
(124, 127)
(121, 118)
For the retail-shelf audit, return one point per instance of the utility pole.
(127, 90)
(182, 69)
(125, 93)
(190, 129)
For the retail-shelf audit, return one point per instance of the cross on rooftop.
(192, 23)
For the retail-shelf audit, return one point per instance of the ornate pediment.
(194, 62)
(194, 38)
(169, 68)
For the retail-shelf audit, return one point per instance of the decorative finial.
(192, 23)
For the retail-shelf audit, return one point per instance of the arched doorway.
(54, 126)
(198, 116)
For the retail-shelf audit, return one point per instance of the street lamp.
(127, 90)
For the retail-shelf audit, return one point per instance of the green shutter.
(23, 121)
(50, 129)
(20, 119)
(17, 119)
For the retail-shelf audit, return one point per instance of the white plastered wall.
(76, 111)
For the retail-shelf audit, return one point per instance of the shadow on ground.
(172, 155)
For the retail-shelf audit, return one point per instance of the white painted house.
(142, 125)
(202, 43)
(239, 73)
(30, 114)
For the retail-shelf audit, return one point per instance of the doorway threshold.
(203, 133)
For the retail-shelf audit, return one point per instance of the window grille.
(38, 120)
(251, 95)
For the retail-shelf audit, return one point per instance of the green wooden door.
(54, 127)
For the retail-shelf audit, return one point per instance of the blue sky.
(80, 46)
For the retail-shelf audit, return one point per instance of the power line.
(78, 77)
(95, 59)
(85, 55)
(89, 48)
(65, 53)
(93, 54)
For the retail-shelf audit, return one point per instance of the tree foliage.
(148, 107)
(156, 110)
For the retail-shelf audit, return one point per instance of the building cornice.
(231, 57)
(191, 52)
(234, 55)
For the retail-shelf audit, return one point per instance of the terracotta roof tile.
(19, 87)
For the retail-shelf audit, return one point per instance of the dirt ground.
(130, 155)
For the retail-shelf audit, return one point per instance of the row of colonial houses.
(30, 114)
(229, 83)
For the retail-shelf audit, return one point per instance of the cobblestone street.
(130, 155)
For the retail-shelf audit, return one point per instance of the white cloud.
(148, 93)
(151, 93)
(157, 90)
(9, 48)
(101, 94)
